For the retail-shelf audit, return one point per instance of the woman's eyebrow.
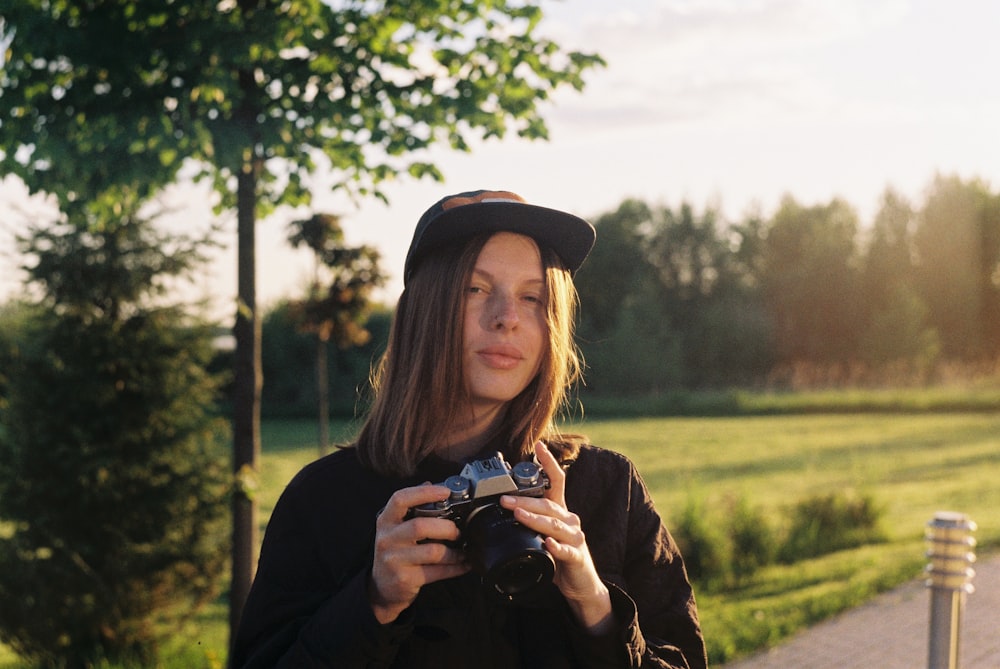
(489, 275)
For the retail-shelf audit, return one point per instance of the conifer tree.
(112, 472)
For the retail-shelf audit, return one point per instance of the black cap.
(465, 215)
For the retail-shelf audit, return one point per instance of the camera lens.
(521, 574)
(511, 558)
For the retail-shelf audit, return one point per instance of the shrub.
(753, 542)
(826, 523)
(702, 543)
(722, 551)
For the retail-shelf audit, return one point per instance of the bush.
(702, 543)
(753, 541)
(827, 523)
(724, 552)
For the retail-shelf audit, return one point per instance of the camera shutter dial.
(525, 474)
(459, 487)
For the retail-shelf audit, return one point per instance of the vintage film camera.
(511, 558)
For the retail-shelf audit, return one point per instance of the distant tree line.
(806, 297)
(675, 298)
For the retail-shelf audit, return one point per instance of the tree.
(615, 267)
(112, 478)
(897, 334)
(890, 252)
(897, 337)
(810, 281)
(737, 321)
(957, 243)
(669, 298)
(339, 299)
(14, 317)
(692, 261)
(288, 356)
(257, 95)
(628, 349)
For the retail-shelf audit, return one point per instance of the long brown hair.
(418, 385)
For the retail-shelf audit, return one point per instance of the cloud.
(724, 28)
(681, 61)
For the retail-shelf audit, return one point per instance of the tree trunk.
(322, 395)
(246, 401)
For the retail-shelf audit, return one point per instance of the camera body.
(510, 557)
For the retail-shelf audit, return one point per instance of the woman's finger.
(399, 505)
(555, 472)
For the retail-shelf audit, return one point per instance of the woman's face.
(504, 326)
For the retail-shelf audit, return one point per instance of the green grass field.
(912, 464)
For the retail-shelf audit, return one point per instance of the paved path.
(891, 632)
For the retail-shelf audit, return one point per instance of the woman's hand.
(576, 577)
(409, 553)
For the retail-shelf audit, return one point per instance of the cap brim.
(569, 236)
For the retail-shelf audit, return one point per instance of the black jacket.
(308, 606)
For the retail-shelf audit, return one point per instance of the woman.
(479, 359)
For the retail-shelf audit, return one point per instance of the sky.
(724, 103)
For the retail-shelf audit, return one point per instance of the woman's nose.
(503, 312)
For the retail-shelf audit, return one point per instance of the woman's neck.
(469, 440)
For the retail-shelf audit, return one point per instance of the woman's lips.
(501, 356)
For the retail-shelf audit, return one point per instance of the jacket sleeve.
(665, 631)
(626, 646)
(308, 606)
(651, 596)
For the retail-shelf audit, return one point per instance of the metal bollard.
(950, 581)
